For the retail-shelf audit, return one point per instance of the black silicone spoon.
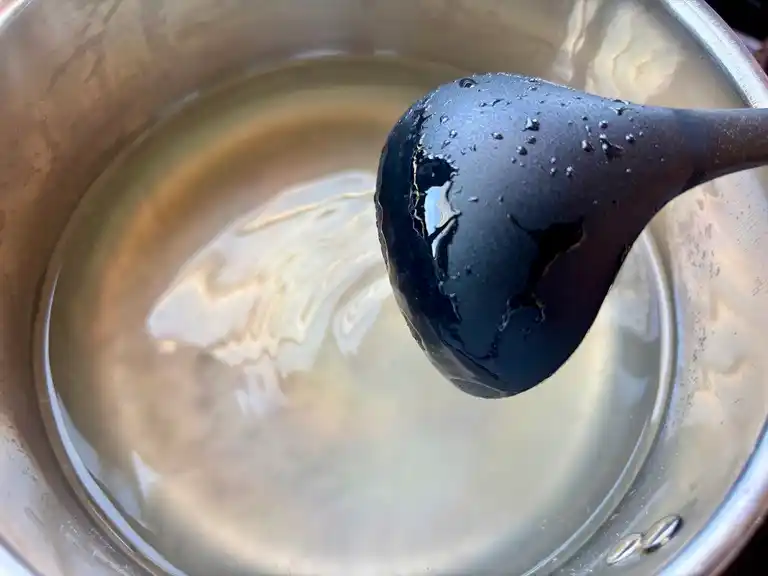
(506, 206)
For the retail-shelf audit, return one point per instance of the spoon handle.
(725, 141)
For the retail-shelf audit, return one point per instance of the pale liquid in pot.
(234, 391)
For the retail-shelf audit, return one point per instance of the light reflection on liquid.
(255, 298)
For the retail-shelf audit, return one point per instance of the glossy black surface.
(507, 204)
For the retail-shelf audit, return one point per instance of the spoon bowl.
(507, 204)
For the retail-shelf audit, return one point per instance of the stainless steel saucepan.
(80, 79)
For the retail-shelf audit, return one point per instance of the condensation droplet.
(532, 124)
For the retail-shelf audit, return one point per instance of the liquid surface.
(233, 389)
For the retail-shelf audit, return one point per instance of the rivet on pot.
(626, 548)
(661, 533)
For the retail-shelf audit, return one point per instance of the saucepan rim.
(743, 509)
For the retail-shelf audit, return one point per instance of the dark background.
(747, 16)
